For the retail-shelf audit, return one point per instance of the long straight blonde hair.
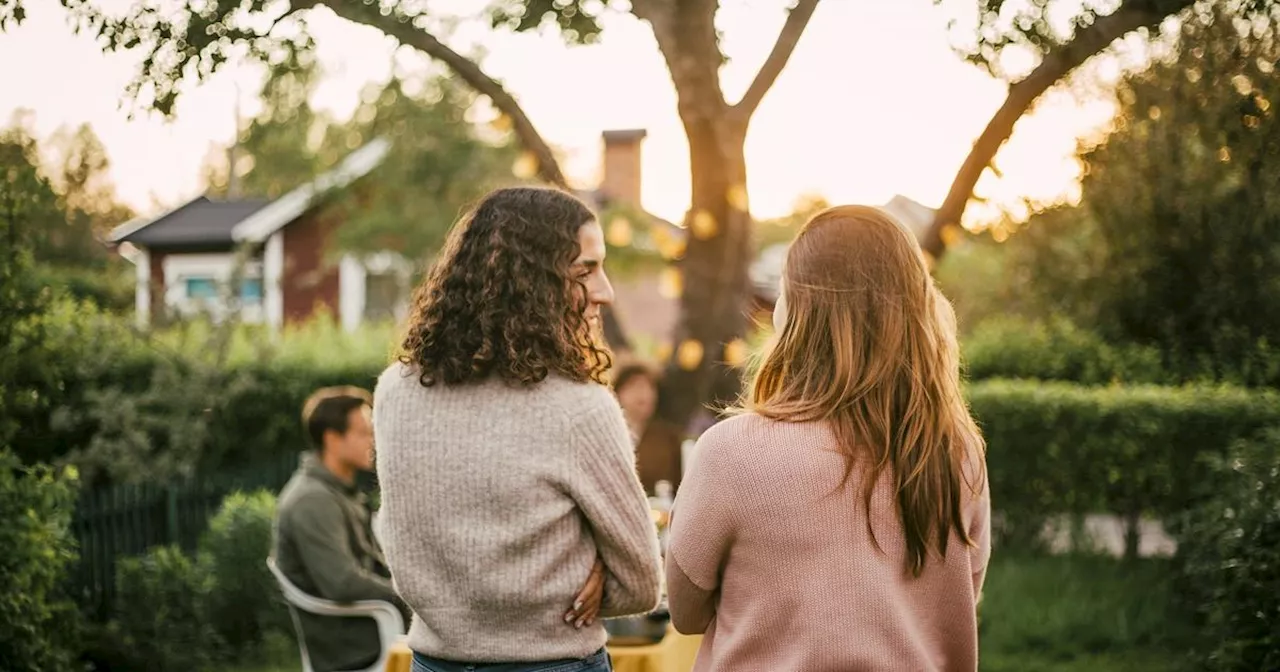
(868, 345)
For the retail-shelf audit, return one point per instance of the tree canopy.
(1036, 44)
(1177, 236)
(438, 162)
(67, 204)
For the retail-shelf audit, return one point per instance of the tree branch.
(788, 38)
(402, 28)
(686, 35)
(1056, 65)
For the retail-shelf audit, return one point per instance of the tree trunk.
(713, 308)
(714, 304)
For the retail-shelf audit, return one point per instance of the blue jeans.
(596, 662)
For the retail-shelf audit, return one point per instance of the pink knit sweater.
(773, 562)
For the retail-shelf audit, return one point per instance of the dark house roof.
(203, 222)
(206, 223)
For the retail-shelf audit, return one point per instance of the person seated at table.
(636, 386)
(512, 516)
(323, 541)
(841, 520)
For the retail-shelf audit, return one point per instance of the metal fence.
(125, 520)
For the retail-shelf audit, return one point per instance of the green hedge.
(127, 406)
(1057, 448)
(1056, 349)
(189, 401)
(1230, 559)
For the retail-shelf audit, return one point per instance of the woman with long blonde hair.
(840, 521)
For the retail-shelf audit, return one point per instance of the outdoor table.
(675, 653)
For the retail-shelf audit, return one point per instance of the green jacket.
(324, 544)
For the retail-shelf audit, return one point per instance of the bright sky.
(873, 103)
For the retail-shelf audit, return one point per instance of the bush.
(1055, 349)
(1057, 448)
(37, 620)
(161, 622)
(1230, 558)
(270, 404)
(176, 613)
(82, 353)
(193, 399)
(245, 602)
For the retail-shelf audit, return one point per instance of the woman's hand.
(586, 606)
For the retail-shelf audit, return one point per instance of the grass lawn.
(1076, 613)
(1039, 614)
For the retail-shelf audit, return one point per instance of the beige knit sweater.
(496, 502)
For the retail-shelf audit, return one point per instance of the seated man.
(323, 540)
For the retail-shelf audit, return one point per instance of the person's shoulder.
(397, 376)
(745, 430)
(302, 495)
(756, 443)
(578, 398)
(730, 440)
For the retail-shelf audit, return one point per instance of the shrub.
(121, 405)
(89, 388)
(244, 603)
(1055, 349)
(1056, 448)
(161, 621)
(271, 404)
(37, 620)
(82, 352)
(1230, 558)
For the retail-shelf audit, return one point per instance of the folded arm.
(606, 488)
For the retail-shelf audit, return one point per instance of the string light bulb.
(526, 166)
(703, 225)
(689, 356)
(619, 234)
(735, 352)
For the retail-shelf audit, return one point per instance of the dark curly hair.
(501, 300)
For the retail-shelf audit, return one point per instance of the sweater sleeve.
(702, 530)
(608, 491)
(980, 535)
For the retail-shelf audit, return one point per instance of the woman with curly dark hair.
(508, 475)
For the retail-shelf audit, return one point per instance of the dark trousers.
(596, 662)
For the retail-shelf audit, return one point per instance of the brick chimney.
(621, 182)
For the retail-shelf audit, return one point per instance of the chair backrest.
(386, 615)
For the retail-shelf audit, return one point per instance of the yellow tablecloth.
(675, 653)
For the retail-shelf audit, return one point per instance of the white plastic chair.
(386, 615)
